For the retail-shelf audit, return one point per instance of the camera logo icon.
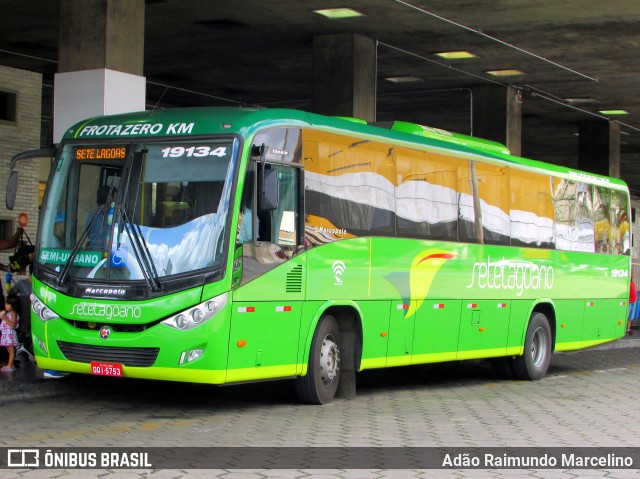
(23, 458)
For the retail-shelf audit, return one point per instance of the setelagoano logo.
(507, 274)
(106, 311)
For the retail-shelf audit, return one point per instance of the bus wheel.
(323, 373)
(533, 364)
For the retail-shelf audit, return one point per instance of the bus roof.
(180, 122)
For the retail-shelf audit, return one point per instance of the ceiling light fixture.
(457, 55)
(581, 100)
(339, 13)
(404, 79)
(504, 73)
(613, 112)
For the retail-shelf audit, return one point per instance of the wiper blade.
(140, 250)
(98, 212)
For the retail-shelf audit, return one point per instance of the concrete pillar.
(101, 34)
(497, 115)
(599, 147)
(344, 75)
(100, 60)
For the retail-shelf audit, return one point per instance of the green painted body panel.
(213, 334)
(456, 138)
(417, 301)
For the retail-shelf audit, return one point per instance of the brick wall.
(18, 136)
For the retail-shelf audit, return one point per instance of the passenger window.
(572, 217)
(426, 196)
(349, 187)
(531, 210)
(493, 191)
(620, 231)
(600, 214)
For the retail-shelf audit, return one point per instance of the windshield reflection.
(174, 250)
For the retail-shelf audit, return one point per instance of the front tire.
(320, 384)
(538, 346)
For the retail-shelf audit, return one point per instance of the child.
(9, 323)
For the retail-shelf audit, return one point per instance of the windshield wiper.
(98, 212)
(140, 249)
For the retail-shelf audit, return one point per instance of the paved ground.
(588, 399)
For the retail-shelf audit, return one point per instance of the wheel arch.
(349, 318)
(547, 308)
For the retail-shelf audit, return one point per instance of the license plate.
(106, 369)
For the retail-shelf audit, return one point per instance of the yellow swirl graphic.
(423, 270)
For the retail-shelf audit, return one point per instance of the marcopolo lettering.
(106, 311)
(513, 275)
(105, 291)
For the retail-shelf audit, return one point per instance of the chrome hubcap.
(329, 360)
(538, 347)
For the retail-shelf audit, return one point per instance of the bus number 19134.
(197, 151)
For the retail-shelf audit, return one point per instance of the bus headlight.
(42, 310)
(197, 315)
(181, 321)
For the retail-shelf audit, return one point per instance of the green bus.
(226, 245)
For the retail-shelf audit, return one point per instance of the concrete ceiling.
(259, 52)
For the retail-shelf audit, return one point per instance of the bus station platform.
(28, 381)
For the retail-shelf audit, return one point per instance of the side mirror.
(12, 190)
(268, 194)
(12, 182)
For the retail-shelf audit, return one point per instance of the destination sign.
(100, 153)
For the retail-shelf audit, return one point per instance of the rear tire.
(538, 346)
(320, 384)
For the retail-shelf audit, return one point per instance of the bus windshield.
(137, 211)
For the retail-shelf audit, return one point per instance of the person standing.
(4, 355)
(23, 290)
(9, 317)
(633, 297)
